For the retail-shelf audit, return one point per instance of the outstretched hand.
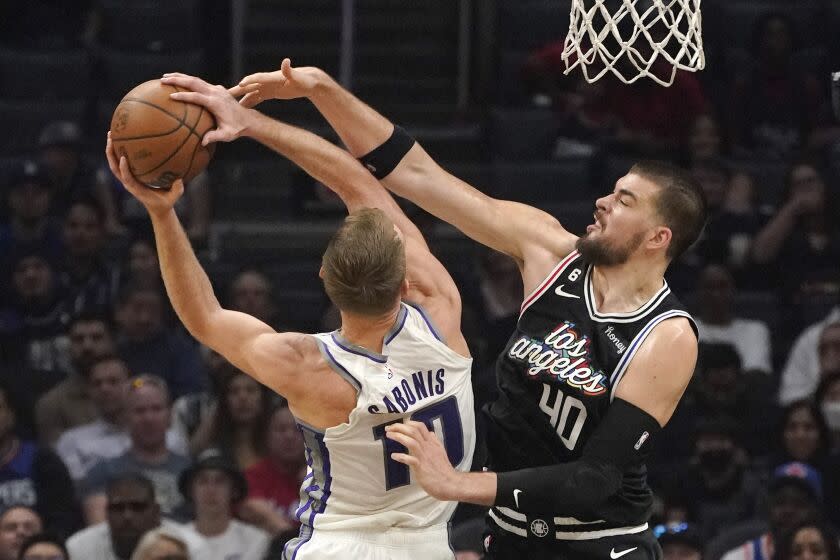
(231, 117)
(156, 201)
(426, 457)
(286, 83)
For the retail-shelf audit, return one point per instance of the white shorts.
(388, 544)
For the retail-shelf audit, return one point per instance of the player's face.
(624, 220)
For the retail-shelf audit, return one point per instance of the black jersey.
(557, 377)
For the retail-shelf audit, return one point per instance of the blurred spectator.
(713, 176)
(240, 422)
(809, 541)
(813, 355)
(68, 405)
(192, 410)
(827, 398)
(33, 326)
(106, 437)
(467, 539)
(679, 541)
(777, 103)
(804, 437)
(43, 546)
(141, 264)
(45, 25)
(721, 388)
(60, 146)
(717, 481)
(149, 346)
(498, 298)
(17, 523)
(251, 292)
(704, 141)
(717, 322)
(163, 544)
(274, 482)
(729, 233)
(149, 416)
(29, 198)
(132, 511)
(88, 280)
(33, 476)
(803, 242)
(214, 486)
(794, 497)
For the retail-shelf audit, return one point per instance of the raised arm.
(271, 358)
(430, 284)
(534, 238)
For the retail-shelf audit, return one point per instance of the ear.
(660, 238)
(404, 288)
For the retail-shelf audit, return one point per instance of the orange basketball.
(161, 137)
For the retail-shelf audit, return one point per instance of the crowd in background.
(115, 424)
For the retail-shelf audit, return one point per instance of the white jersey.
(351, 482)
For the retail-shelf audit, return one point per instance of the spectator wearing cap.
(149, 416)
(17, 523)
(679, 541)
(717, 482)
(88, 280)
(214, 486)
(34, 476)
(795, 496)
(29, 198)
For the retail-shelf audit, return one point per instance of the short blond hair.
(364, 264)
(151, 538)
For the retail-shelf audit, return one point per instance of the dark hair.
(135, 479)
(88, 202)
(90, 316)
(715, 355)
(816, 413)
(681, 203)
(225, 424)
(784, 549)
(39, 538)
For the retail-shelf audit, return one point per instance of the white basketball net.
(665, 29)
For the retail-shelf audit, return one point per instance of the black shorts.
(501, 545)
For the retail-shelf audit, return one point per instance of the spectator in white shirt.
(802, 370)
(214, 486)
(106, 437)
(716, 320)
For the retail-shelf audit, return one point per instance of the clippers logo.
(564, 354)
(539, 527)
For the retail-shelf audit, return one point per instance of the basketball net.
(628, 37)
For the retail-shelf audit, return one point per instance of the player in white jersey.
(391, 360)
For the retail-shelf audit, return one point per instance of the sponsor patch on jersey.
(563, 354)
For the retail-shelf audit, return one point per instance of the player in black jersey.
(601, 355)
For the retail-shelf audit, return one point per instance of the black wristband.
(384, 158)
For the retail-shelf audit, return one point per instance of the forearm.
(322, 160)
(769, 240)
(358, 125)
(186, 283)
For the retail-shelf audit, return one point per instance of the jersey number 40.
(566, 414)
(440, 417)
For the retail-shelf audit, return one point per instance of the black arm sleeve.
(57, 502)
(620, 440)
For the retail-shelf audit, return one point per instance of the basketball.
(161, 137)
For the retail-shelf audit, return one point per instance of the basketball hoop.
(630, 36)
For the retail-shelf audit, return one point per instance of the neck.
(626, 287)
(367, 332)
(212, 523)
(151, 454)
